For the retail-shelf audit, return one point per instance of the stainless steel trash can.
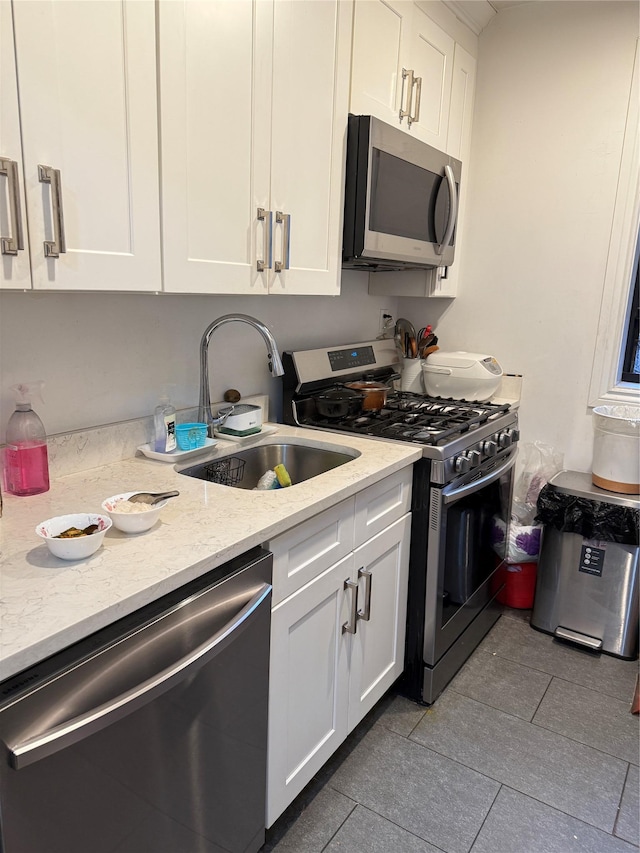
(587, 588)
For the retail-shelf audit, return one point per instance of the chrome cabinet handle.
(267, 217)
(14, 242)
(56, 247)
(406, 73)
(418, 85)
(350, 626)
(285, 220)
(365, 613)
(32, 749)
(453, 213)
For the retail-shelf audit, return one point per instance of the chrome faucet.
(205, 415)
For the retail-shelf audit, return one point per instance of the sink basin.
(244, 468)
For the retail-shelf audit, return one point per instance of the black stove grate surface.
(413, 417)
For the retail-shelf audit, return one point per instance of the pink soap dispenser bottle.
(26, 461)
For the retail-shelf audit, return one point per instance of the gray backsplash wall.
(105, 356)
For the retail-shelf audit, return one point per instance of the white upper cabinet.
(402, 68)
(431, 57)
(88, 119)
(461, 112)
(381, 39)
(14, 238)
(215, 72)
(254, 100)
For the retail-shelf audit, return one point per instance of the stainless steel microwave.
(401, 200)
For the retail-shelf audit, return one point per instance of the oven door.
(460, 558)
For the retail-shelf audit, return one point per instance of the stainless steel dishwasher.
(150, 736)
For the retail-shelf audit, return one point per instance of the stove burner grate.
(412, 417)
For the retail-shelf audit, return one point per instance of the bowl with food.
(129, 516)
(74, 536)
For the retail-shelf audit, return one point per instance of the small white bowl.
(135, 522)
(82, 546)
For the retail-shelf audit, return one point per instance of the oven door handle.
(449, 494)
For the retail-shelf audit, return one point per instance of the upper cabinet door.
(432, 65)
(402, 68)
(87, 89)
(311, 52)
(254, 101)
(461, 112)
(215, 107)
(381, 40)
(15, 271)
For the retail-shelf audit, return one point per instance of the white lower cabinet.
(337, 641)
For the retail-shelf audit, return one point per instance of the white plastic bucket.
(616, 448)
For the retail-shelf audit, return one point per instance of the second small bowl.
(136, 521)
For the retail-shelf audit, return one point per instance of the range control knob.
(513, 434)
(475, 457)
(461, 464)
(504, 439)
(490, 447)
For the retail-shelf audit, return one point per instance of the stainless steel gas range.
(461, 500)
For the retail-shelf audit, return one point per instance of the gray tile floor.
(531, 749)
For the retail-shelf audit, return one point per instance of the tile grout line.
(504, 784)
(484, 820)
(619, 809)
(538, 726)
(355, 806)
(557, 644)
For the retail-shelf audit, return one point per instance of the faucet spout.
(205, 415)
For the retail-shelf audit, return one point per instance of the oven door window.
(404, 199)
(469, 558)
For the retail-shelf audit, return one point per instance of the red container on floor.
(519, 581)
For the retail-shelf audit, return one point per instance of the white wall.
(551, 100)
(105, 356)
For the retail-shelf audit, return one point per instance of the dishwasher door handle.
(32, 749)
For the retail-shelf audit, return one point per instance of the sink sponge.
(268, 481)
(283, 475)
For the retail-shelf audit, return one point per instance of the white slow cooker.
(461, 375)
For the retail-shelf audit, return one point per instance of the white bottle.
(165, 426)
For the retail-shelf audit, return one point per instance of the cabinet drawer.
(379, 506)
(301, 554)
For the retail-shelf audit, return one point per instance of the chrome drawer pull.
(267, 217)
(12, 244)
(56, 247)
(416, 117)
(406, 73)
(285, 220)
(350, 626)
(365, 613)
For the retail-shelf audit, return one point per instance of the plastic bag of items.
(522, 542)
(520, 545)
(590, 519)
(540, 462)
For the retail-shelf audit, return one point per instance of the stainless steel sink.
(244, 468)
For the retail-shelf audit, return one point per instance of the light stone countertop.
(46, 604)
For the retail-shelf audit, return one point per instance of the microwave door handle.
(450, 495)
(453, 212)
